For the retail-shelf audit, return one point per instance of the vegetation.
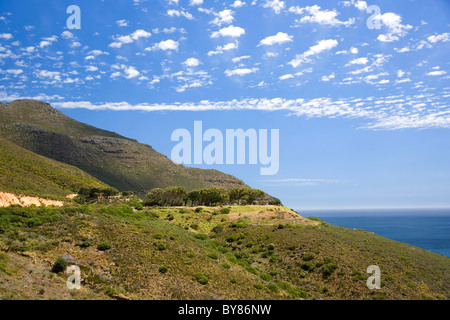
(24, 172)
(179, 196)
(152, 257)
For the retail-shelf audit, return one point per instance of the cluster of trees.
(97, 193)
(178, 196)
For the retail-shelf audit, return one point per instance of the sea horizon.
(424, 228)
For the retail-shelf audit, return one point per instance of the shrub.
(226, 265)
(198, 210)
(233, 281)
(163, 269)
(59, 266)
(258, 286)
(201, 278)
(85, 244)
(103, 246)
(271, 247)
(218, 229)
(307, 257)
(158, 236)
(213, 255)
(307, 266)
(201, 236)
(265, 277)
(225, 210)
(183, 211)
(329, 269)
(161, 246)
(251, 270)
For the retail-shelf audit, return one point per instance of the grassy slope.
(118, 161)
(24, 172)
(249, 258)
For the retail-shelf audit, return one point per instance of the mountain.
(24, 172)
(120, 162)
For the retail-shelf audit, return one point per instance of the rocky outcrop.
(9, 199)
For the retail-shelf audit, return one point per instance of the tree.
(155, 197)
(174, 196)
(195, 196)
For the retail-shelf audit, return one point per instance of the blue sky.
(363, 113)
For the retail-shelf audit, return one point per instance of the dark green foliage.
(60, 265)
(329, 269)
(103, 246)
(177, 196)
(163, 269)
(201, 278)
(201, 236)
(307, 257)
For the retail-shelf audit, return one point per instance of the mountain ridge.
(118, 161)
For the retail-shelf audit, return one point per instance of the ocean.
(425, 228)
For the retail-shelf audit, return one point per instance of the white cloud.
(131, 72)
(67, 35)
(223, 17)
(359, 61)
(313, 14)
(286, 76)
(393, 23)
(279, 38)
(192, 62)
(221, 49)
(323, 45)
(238, 4)
(239, 59)
(195, 2)
(328, 78)
(444, 37)
(136, 35)
(91, 68)
(165, 45)
(378, 113)
(276, 5)
(6, 36)
(240, 72)
(436, 73)
(360, 5)
(178, 13)
(231, 31)
(122, 23)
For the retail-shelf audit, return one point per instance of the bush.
(307, 257)
(329, 269)
(213, 255)
(201, 236)
(85, 244)
(103, 246)
(161, 246)
(198, 210)
(225, 211)
(201, 278)
(59, 266)
(307, 266)
(226, 265)
(163, 269)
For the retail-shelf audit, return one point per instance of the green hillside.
(253, 252)
(24, 172)
(118, 161)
